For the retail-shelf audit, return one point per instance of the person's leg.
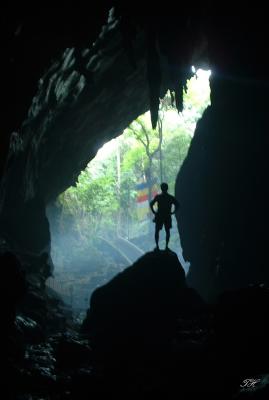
(157, 230)
(167, 230)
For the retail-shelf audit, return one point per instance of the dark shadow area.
(146, 333)
(152, 334)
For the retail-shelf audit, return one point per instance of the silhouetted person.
(163, 214)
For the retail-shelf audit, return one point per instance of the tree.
(151, 140)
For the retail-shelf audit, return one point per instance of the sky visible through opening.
(101, 226)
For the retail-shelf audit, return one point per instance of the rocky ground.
(162, 340)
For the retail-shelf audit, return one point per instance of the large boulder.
(136, 312)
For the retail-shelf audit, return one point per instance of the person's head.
(164, 187)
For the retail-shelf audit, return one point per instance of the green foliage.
(134, 160)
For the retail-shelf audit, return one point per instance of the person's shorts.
(166, 222)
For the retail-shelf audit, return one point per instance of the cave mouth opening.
(103, 224)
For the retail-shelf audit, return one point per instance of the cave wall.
(222, 186)
(83, 100)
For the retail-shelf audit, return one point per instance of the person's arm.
(176, 204)
(152, 204)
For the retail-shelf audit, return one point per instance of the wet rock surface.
(53, 368)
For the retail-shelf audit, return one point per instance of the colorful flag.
(143, 198)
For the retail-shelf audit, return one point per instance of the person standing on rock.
(164, 201)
